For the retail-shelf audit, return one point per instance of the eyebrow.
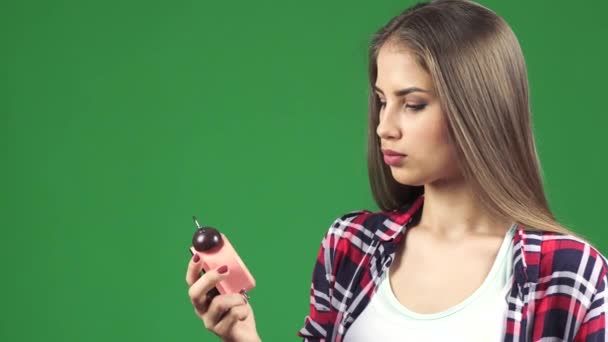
(403, 92)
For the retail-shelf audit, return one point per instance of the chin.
(406, 178)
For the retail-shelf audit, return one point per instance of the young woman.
(465, 247)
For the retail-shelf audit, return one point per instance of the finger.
(198, 290)
(220, 306)
(236, 314)
(194, 269)
(200, 308)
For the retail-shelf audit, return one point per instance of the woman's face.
(412, 122)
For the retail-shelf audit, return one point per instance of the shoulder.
(568, 252)
(362, 228)
(567, 259)
(350, 228)
(351, 235)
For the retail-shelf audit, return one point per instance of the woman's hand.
(229, 316)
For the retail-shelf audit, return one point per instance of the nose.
(387, 127)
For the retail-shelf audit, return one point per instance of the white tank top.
(480, 317)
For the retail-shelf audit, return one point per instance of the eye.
(416, 108)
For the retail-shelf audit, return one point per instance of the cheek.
(431, 135)
(432, 146)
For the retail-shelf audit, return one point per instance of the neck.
(450, 211)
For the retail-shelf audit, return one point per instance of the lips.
(394, 160)
(391, 153)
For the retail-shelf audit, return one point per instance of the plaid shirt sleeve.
(319, 323)
(594, 321)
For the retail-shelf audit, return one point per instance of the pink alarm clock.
(215, 250)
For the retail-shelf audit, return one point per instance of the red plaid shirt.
(559, 292)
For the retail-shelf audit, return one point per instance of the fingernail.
(196, 258)
(222, 269)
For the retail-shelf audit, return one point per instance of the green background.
(122, 119)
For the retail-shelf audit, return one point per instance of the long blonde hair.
(478, 70)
